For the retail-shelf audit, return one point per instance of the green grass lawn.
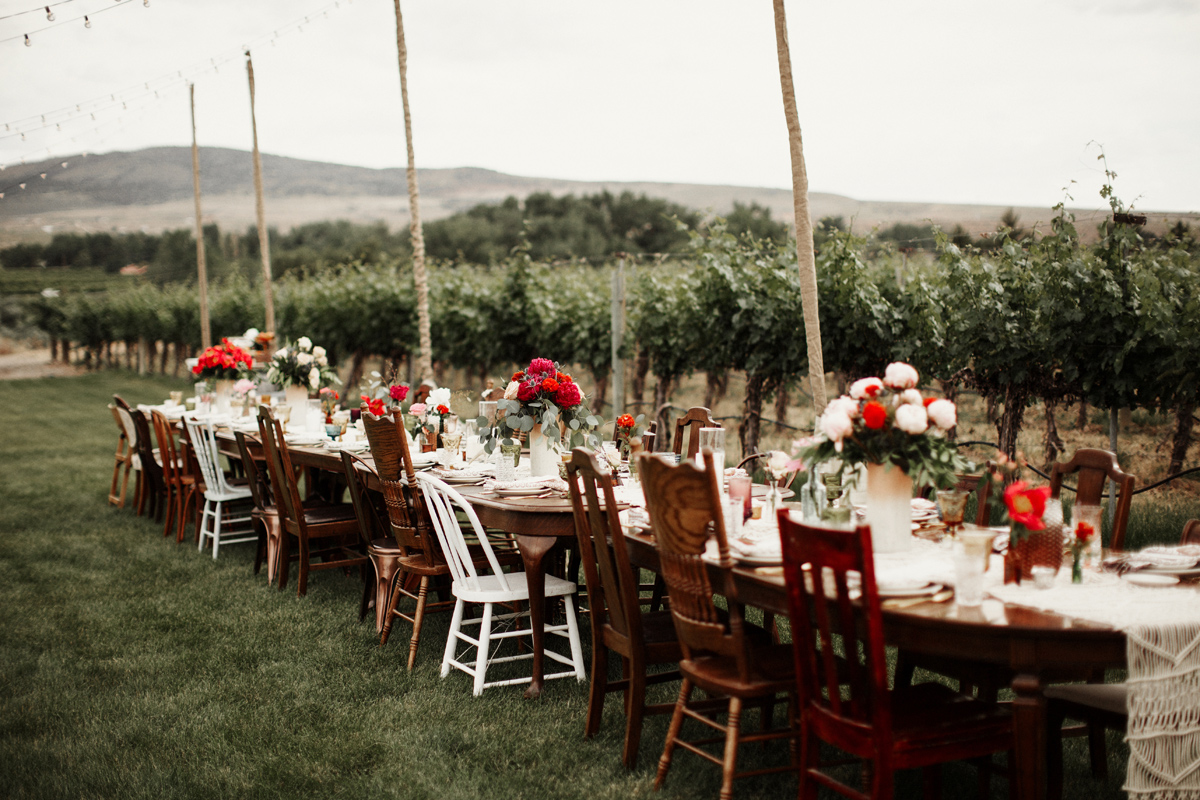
(133, 667)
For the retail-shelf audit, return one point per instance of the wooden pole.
(805, 254)
(201, 263)
(264, 244)
(420, 277)
(618, 339)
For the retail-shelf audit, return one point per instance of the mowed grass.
(133, 667)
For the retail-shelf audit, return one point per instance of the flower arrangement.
(329, 400)
(627, 429)
(397, 392)
(545, 396)
(374, 405)
(888, 421)
(301, 365)
(1081, 541)
(225, 361)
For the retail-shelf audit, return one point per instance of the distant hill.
(151, 190)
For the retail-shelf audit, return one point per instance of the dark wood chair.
(152, 499)
(179, 484)
(1100, 706)
(265, 516)
(650, 437)
(691, 422)
(1092, 469)
(845, 702)
(619, 625)
(332, 528)
(723, 655)
(979, 485)
(381, 548)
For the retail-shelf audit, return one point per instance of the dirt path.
(34, 364)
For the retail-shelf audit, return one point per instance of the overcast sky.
(927, 100)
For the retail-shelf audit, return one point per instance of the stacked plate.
(303, 439)
(924, 512)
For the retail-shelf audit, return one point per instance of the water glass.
(452, 442)
(713, 439)
(487, 409)
(449, 424)
(968, 574)
(733, 508)
(740, 490)
(510, 457)
(176, 398)
(952, 503)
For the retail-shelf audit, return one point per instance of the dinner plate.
(461, 480)
(1142, 579)
(303, 441)
(760, 561)
(522, 491)
(910, 591)
(1182, 572)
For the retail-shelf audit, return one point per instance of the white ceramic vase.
(297, 398)
(543, 458)
(889, 508)
(223, 396)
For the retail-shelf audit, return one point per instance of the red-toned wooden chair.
(264, 516)
(381, 548)
(1092, 469)
(179, 483)
(846, 702)
(691, 422)
(641, 639)
(733, 662)
(333, 529)
(1191, 532)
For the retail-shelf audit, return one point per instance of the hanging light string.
(85, 17)
(154, 88)
(42, 9)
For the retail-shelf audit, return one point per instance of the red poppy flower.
(874, 415)
(625, 421)
(549, 385)
(1025, 505)
(443, 410)
(373, 406)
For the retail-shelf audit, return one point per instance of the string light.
(87, 23)
(49, 14)
(27, 42)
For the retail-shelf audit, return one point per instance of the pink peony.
(943, 414)
(865, 387)
(845, 405)
(899, 375)
(913, 397)
(568, 395)
(243, 386)
(416, 409)
(836, 426)
(541, 367)
(510, 391)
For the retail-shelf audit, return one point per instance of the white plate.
(910, 591)
(1142, 579)
(1182, 573)
(524, 491)
(303, 441)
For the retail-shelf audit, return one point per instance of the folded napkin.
(1159, 557)
(550, 482)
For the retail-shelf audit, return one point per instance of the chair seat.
(232, 495)
(489, 590)
(931, 714)
(327, 515)
(772, 670)
(384, 546)
(1110, 697)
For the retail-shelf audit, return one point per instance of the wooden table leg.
(533, 553)
(1029, 731)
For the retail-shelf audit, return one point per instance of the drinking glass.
(968, 573)
(733, 509)
(952, 503)
(283, 414)
(449, 424)
(713, 439)
(451, 442)
(487, 409)
(739, 489)
(506, 466)
(176, 398)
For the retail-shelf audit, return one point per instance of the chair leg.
(595, 712)
(202, 529)
(274, 548)
(481, 654)
(385, 575)
(1055, 717)
(573, 637)
(1097, 752)
(365, 603)
(452, 637)
(418, 620)
(732, 732)
(302, 578)
(664, 762)
(389, 617)
(931, 782)
(809, 759)
(633, 719)
(219, 516)
(169, 516)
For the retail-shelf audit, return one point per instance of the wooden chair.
(152, 498)
(696, 418)
(650, 437)
(720, 654)
(846, 702)
(264, 517)
(225, 518)
(618, 622)
(332, 528)
(381, 549)
(473, 585)
(179, 484)
(1101, 706)
(786, 483)
(123, 457)
(979, 485)
(1092, 468)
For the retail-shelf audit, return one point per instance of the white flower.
(943, 414)
(845, 405)
(836, 425)
(912, 397)
(900, 376)
(304, 343)
(510, 391)
(777, 463)
(439, 397)
(323, 361)
(858, 389)
(304, 358)
(281, 353)
(318, 353)
(314, 377)
(251, 334)
(912, 419)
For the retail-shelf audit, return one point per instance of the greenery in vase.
(225, 361)
(888, 421)
(301, 365)
(545, 396)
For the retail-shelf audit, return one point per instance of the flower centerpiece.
(243, 392)
(397, 393)
(329, 401)
(543, 402)
(1081, 541)
(219, 366)
(628, 434)
(901, 437)
(300, 369)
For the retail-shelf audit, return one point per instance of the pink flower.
(243, 386)
(836, 425)
(865, 387)
(568, 395)
(899, 375)
(541, 367)
(510, 391)
(845, 405)
(416, 409)
(912, 419)
(943, 414)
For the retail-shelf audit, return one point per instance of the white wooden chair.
(499, 587)
(225, 506)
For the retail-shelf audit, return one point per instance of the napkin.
(550, 482)
(1159, 557)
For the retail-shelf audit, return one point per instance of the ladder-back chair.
(225, 518)
(690, 423)
(1092, 469)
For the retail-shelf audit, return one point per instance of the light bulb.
(49, 14)
(87, 23)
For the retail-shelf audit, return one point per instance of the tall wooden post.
(201, 263)
(264, 244)
(618, 339)
(420, 278)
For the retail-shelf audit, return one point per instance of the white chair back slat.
(130, 427)
(204, 441)
(442, 500)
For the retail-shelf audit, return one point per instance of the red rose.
(443, 410)
(1084, 531)
(196, 369)
(550, 385)
(568, 395)
(526, 392)
(625, 421)
(874, 415)
(398, 393)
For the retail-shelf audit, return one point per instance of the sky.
(952, 101)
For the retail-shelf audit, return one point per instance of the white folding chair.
(499, 587)
(219, 496)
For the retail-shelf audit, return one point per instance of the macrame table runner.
(1162, 630)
